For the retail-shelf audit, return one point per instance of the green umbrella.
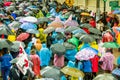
(87, 38)
(111, 45)
(4, 43)
(94, 30)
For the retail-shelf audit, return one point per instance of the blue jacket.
(87, 66)
(70, 54)
(44, 55)
(5, 60)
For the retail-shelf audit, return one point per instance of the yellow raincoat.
(118, 39)
(39, 14)
(69, 2)
(38, 44)
(74, 78)
(42, 35)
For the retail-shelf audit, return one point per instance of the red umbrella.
(7, 3)
(23, 36)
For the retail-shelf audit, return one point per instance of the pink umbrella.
(70, 22)
(22, 36)
(86, 54)
(7, 3)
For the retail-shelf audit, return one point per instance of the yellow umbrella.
(85, 14)
(72, 72)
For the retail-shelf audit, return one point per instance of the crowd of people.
(59, 35)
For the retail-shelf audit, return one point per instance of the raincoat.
(27, 50)
(39, 14)
(38, 44)
(118, 60)
(94, 62)
(58, 60)
(44, 55)
(87, 66)
(108, 60)
(36, 64)
(70, 54)
(118, 39)
(5, 65)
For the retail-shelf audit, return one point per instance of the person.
(58, 60)
(44, 55)
(100, 25)
(107, 61)
(5, 63)
(92, 22)
(36, 63)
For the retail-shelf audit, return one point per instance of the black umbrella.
(58, 49)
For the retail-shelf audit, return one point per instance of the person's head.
(5, 50)
(109, 50)
(33, 51)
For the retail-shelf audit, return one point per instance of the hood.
(38, 41)
(44, 45)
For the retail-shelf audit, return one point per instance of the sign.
(114, 3)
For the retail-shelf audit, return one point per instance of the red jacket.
(92, 23)
(94, 62)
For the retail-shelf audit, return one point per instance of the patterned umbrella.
(86, 53)
(72, 72)
(23, 36)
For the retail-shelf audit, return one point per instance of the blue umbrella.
(26, 26)
(116, 11)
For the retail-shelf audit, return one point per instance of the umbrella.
(60, 36)
(19, 18)
(11, 8)
(30, 19)
(23, 36)
(26, 26)
(85, 14)
(49, 30)
(7, 3)
(116, 11)
(78, 35)
(58, 49)
(69, 45)
(94, 30)
(16, 45)
(72, 72)
(5, 31)
(96, 36)
(116, 72)
(33, 31)
(111, 45)
(71, 23)
(79, 31)
(4, 43)
(85, 25)
(87, 38)
(71, 28)
(50, 72)
(86, 53)
(59, 30)
(42, 19)
(14, 25)
(56, 24)
(105, 76)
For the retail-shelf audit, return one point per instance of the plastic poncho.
(84, 45)
(70, 54)
(38, 44)
(118, 60)
(44, 55)
(74, 41)
(118, 39)
(28, 49)
(39, 14)
(42, 35)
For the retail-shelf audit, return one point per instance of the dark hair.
(109, 50)
(5, 50)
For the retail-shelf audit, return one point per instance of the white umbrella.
(30, 19)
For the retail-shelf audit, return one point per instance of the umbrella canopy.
(59, 30)
(94, 30)
(56, 25)
(69, 45)
(23, 36)
(96, 36)
(5, 31)
(111, 45)
(7, 3)
(71, 23)
(78, 35)
(49, 30)
(116, 11)
(87, 38)
(79, 31)
(86, 53)
(33, 31)
(50, 72)
(26, 26)
(14, 25)
(85, 25)
(58, 49)
(71, 28)
(16, 45)
(30, 19)
(85, 14)
(42, 20)
(72, 72)
(105, 76)
(4, 43)
(11, 8)
(60, 36)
